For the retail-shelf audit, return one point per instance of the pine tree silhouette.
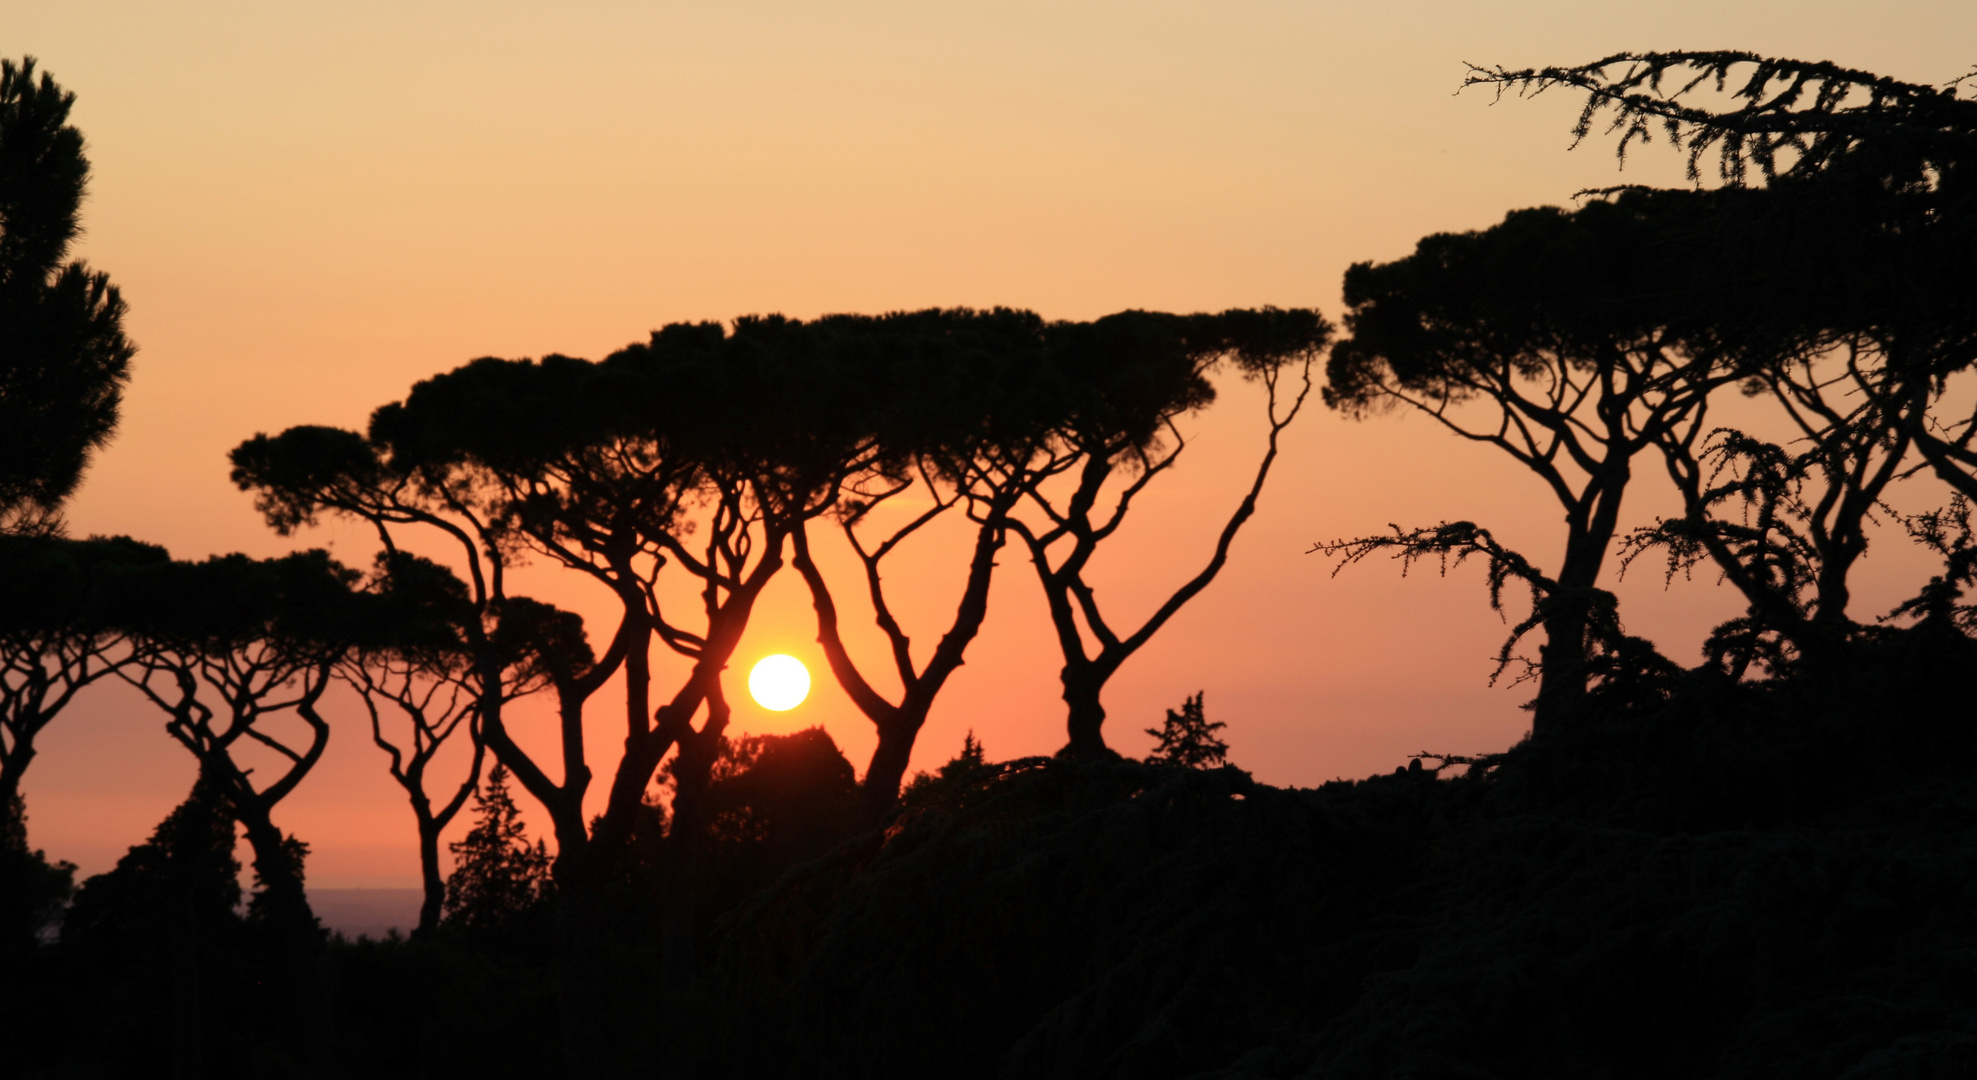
(1187, 739)
(497, 874)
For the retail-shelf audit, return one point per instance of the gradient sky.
(311, 206)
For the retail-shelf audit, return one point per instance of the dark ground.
(1693, 879)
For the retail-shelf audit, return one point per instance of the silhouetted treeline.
(1701, 876)
(1685, 871)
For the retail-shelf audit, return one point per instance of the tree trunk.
(435, 886)
(282, 899)
(1833, 595)
(691, 771)
(1087, 716)
(889, 761)
(1561, 669)
(11, 772)
(294, 939)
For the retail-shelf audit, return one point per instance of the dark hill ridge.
(1697, 879)
(1691, 878)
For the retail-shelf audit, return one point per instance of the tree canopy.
(64, 358)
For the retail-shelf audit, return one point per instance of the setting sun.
(779, 683)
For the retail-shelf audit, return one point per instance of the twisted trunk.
(1564, 669)
(1086, 717)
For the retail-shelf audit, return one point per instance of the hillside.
(1697, 879)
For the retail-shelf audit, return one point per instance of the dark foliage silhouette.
(1702, 882)
(64, 359)
(498, 877)
(1187, 738)
(952, 779)
(162, 932)
(33, 891)
(774, 801)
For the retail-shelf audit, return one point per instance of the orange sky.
(310, 207)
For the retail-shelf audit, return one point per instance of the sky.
(311, 206)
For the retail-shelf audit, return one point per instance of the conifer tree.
(64, 359)
(497, 874)
(32, 891)
(952, 780)
(1188, 739)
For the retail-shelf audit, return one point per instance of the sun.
(779, 683)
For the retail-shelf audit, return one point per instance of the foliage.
(950, 777)
(1609, 651)
(1790, 117)
(498, 876)
(64, 359)
(1188, 740)
(162, 935)
(33, 891)
(188, 862)
(782, 790)
(1939, 605)
(773, 802)
(1656, 865)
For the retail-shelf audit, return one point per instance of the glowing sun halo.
(779, 683)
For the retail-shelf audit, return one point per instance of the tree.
(33, 891)
(775, 801)
(954, 774)
(57, 636)
(1188, 739)
(682, 455)
(307, 471)
(411, 660)
(168, 914)
(1802, 526)
(692, 456)
(64, 359)
(498, 876)
(962, 421)
(1572, 342)
(262, 637)
(1865, 182)
(1125, 381)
